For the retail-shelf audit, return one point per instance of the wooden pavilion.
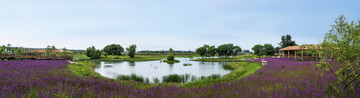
(299, 52)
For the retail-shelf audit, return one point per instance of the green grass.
(83, 69)
(187, 64)
(171, 62)
(246, 56)
(241, 69)
(80, 57)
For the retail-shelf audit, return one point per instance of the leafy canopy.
(113, 49)
(93, 53)
(342, 43)
(286, 41)
(131, 51)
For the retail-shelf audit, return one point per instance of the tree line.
(112, 49)
(224, 50)
(269, 50)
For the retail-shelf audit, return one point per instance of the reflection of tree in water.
(207, 63)
(171, 68)
(131, 63)
(171, 65)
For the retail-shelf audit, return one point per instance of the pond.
(158, 69)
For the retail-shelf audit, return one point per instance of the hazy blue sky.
(161, 24)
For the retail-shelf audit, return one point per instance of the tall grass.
(132, 77)
(176, 78)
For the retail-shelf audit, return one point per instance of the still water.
(158, 69)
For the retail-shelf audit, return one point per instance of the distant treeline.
(163, 51)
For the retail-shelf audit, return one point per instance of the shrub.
(170, 57)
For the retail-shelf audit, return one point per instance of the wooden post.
(295, 54)
(288, 54)
(279, 54)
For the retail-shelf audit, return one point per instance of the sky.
(164, 24)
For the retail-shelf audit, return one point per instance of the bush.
(170, 57)
(114, 49)
(93, 53)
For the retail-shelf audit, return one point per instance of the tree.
(104, 53)
(93, 53)
(342, 43)
(2, 49)
(131, 51)
(171, 50)
(228, 50)
(170, 56)
(113, 49)
(211, 51)
(257, 49)
(269, 50)
(64, 53)
(18, 52)
(201, 51)
(262, 53)
(277, 49)
(222, 50)
(8, 48)
(235, 50)
(97, 55)
(286, 41)
(48, 50)
(53, 49)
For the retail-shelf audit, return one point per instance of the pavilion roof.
(302, 47)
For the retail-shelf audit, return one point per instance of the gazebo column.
(279, 53)
(288, 54)
(295, 54)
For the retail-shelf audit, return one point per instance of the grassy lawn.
(241, 69)
(246, 56)
(83, 69)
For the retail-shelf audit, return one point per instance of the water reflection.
(131, 63)
(157, 69)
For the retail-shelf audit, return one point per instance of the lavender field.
(278, 78)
